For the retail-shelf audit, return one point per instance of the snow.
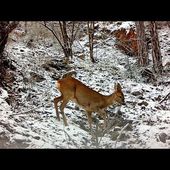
(116, 25)
(33, 123)
(4, 94)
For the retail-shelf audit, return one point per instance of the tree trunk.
(91, 37)
(67, 46)
(3, 35)
(156, 53)
(5, 28)
(142, 44)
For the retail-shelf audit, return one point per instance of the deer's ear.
(117, 87)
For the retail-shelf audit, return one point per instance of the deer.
(72, 89)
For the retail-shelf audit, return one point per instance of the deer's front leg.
(103, 113)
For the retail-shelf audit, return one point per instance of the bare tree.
(142, 44)
(91, 37)
(65, 33)
(5, 28)
(156, 53)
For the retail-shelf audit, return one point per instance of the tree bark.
(67, 46)
(5, 28)
(142, 44)
(156, 53)
(91, 37)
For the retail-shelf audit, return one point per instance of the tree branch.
(164, 98)
(121, 133)
(52, 31)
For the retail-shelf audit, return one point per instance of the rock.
(30, 43)
(131, 103)
(136, 93)
(36, 77)
(143, 103)
(14, 48)
(141, 97)
(20, 140)
(158, 98)
(55, 64)
(77, 108)
(143, 108)
(101, 81)
(22, 50)
(55, 77)
(163, 137)
(36, 137)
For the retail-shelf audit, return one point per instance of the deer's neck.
(109, 100)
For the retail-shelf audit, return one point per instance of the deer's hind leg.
(56, 100)
(62, 106)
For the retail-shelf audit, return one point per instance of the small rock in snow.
(163, 137)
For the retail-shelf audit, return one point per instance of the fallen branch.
(121, 133)
(164, 98)
(11, 130)
(26, 111)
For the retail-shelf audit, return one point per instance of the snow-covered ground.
(32, 123)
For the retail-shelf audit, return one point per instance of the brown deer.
(89, 99)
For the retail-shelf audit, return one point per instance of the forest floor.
(30, 121)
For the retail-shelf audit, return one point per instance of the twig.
(53, 32)
(106, 130)
(26, 111)
(96, 134)
(70, 139)
(121, 133)
(164, 98)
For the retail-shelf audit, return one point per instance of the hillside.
(29, 121)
